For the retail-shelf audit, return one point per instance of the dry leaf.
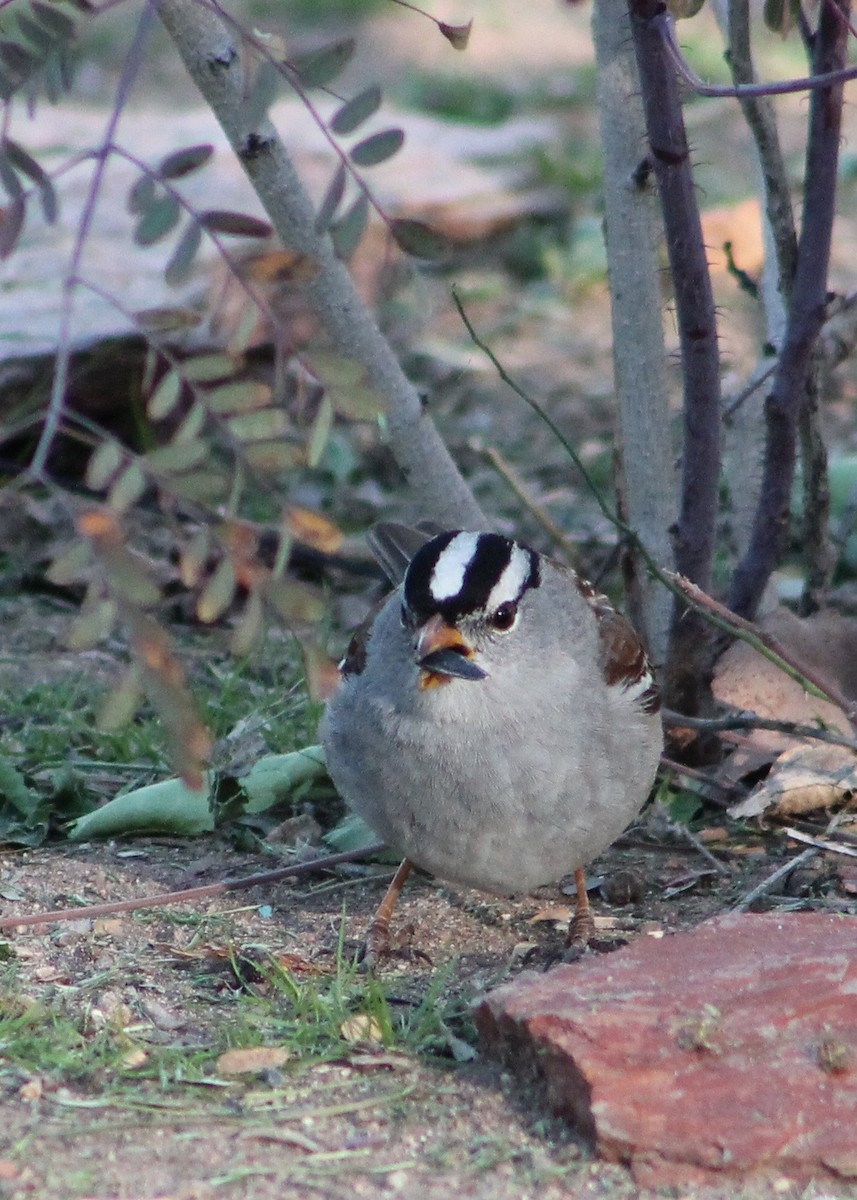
(361, 1028)
(826, 643)
(252, 1060)
(803, 779)
(556, 915)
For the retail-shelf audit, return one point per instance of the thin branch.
(56, 405)
(751, 720)
(772, 880)
(665, 26)
(605, 508)
(806, 316)
(505, 469)
(766, 645)
(761, 120)
(820, 843)
(91, 911)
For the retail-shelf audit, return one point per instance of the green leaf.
(418, 239)
(42, 39)
(262, 94)
(167, 320)
(23, 815)
(249, 629)
(92, 624)
(234, 224)
(332, 197)
(103, 464)
(19, 61)
(71, 566)
(121, 703)
(348, 230)
(165, 397)
(179, 268)
(127, 488)
(184, 162)
(218, 593)
(206, 368)
(142, 195)
(377, 148)
(172, 807)
(191, 426)
(159, 219)
(321, 67)
(176, 457)
(352, 115)
(320, 432)
(241, 396)
(12, 185)
(60, 25)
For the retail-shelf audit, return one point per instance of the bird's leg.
(377, 941)
(581, 929)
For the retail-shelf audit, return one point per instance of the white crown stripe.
(447, 577)
(511, 583)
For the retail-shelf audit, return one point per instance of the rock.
(727, 1051)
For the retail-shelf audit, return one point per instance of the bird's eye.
(504, 617)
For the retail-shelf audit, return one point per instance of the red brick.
(727, 1050)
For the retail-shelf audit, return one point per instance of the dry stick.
(751, 720)
(504, 468)
(772, 880)
(821, 843)
(808, 300)
(194, 893)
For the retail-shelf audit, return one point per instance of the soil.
(371, 1121)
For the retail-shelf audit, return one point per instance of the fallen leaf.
(252, 1060)
(361, 1028)
(803, 779)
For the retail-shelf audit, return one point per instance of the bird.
(496, 721)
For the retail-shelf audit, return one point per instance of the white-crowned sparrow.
(497, 721)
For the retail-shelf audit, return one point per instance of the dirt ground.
(368, 1123)
(380, 1117)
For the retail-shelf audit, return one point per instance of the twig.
(516, 483)
(788, 396)
(605, 508)
(751, 720)
(820, 843)
(194, 893)
(693, 773)
(766, 645)
(732, 405)
(773, 880)
(690, 837)
(666, 28)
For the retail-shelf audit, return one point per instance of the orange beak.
(443, 654)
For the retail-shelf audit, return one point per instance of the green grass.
(316, 1018)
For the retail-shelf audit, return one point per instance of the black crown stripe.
(491, 557)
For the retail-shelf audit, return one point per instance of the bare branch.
(806, 316)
